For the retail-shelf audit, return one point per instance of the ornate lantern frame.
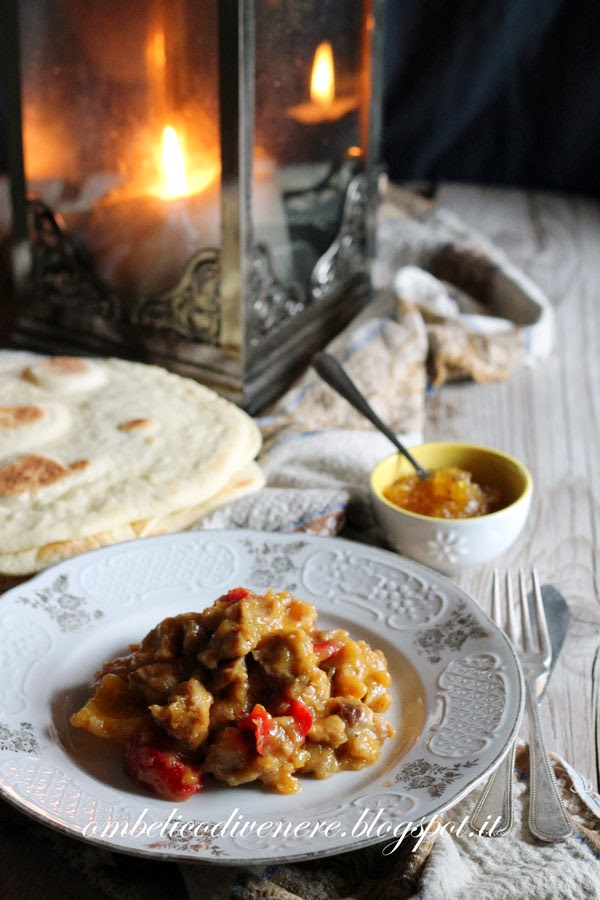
(236, 317)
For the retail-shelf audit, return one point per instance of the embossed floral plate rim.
(60, 626)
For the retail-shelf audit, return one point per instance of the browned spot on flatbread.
(64, 365)
(58, 365)
(78, 465)
(29, 473)
(135, 424)
(14, 416)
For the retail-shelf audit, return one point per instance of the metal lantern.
(193, 181)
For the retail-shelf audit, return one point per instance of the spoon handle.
(336, 377)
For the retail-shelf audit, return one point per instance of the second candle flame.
(322, 82)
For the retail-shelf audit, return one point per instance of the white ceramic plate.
(457, 691)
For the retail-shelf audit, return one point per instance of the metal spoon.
(336, 377)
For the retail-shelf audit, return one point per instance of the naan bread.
(34, 559)
(90, 448)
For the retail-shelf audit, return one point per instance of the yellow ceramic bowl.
(449, 545)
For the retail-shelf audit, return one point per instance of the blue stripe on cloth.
(363, 337)
(528, 337)
(582, 840)
(240, 886)
(314, 514)
(262, 421)
(286, 438)
(299, 395)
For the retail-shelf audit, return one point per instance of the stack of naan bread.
(96, 451)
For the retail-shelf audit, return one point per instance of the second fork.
(548, 820)
(492, 815)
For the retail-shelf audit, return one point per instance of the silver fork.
(493, 814)
(548, 820)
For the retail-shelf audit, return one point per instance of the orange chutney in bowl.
(448, 493)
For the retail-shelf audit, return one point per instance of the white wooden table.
(548, 416)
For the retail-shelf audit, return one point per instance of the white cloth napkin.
(318, 452)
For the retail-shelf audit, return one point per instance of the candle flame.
(179, 177)
(322, 82)
(173, 162)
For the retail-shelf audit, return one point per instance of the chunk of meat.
(330, 731)
(230, 756)
(233, 757)
(230, 687)
(186, 717)
(239, 626)
(170, 639)
(154, 682)
(366, 732)
(287, 656)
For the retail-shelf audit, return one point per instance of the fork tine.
(547, 817)
(493, 813)
(540, 617)
(496, 611)
(526, 631)
(511, 623)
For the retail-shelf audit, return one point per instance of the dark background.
(491, 91)
(494, 91)
(3, 161)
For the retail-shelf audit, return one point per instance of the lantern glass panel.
(310, 61)
(200, 181)
(121, 132)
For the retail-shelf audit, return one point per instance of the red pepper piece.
(164, 771)
(326, 649)
(234, 595)
(300, 713)
(262, 724)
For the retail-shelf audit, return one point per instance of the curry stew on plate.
(248, 689)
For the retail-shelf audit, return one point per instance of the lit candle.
(324, 105)
(142, 238)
